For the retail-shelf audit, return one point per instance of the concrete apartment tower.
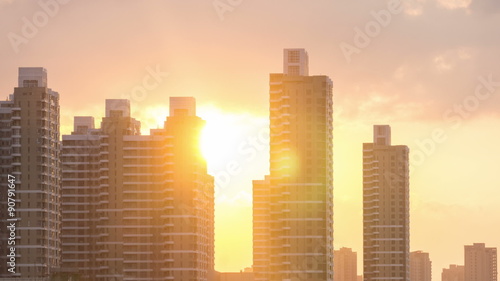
(454, 273)
(420, 266)
(346, 265)
(30, 147)
(480, 263)
(293, 206)
(386, 220)
(137, 207)
(190, 212)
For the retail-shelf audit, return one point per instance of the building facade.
(293, 206)
(345, 265)
(420, 266)
(453, 273)
(30, 148)
(480, 263)
(137, 207)
(386, 225)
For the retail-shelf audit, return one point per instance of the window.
(293, 56)
(293, 70)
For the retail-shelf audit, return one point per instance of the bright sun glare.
(219, 136)
(211, 142)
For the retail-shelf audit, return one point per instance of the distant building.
(454, 273)
(420, 266)
(386, 216)
(345, 265)
(29, 151)
(245, 275)
(480, 263)
(137, 207)
(293, 206)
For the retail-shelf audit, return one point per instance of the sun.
(222, 136)
(218, 138)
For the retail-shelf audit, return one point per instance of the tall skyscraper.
(386, 219)
(293, 206)
(480, 263)
(345, 266)
(30, 150)
(454, 273)
(137, 207)
(420, 266)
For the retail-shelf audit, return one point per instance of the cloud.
(426, 59)
(6, 2)
(485, 6)
(414, 8)
(423, 64)
(450, 59)
(454, 4)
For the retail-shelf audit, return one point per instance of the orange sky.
(418, 72)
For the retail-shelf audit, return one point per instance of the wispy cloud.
(454, 4)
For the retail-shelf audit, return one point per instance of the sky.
(428, 68)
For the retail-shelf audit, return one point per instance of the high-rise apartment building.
(386, 225)
(454, 273)
(293, 206)
(480, 263)
(345, 266)
(137, 207)
(30, 147)
(420, 266)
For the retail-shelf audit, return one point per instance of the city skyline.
(385, 169)
(419, 74)
(137, 206)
